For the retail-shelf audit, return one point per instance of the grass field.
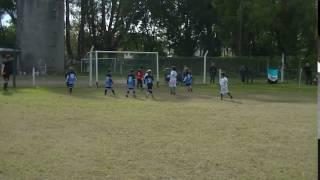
(266, 132)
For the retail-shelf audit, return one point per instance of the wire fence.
(231, 65)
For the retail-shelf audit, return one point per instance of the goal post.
(122, 61)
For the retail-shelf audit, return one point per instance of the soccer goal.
(120, 63)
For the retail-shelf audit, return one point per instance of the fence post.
(282, 68)
(33, 76)
(97, 66)
(300, 76)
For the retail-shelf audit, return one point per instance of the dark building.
(40, 34)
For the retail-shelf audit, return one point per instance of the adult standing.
(173, 81)
(213, 72)
(6, 70)
(308, 73)
(244, 73)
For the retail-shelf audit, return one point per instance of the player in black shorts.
(6, 70)
(148, 80)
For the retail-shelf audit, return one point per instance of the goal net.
(120, 63)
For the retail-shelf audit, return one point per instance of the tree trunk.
(240, 30)
(103, 17)
(68, 28)
(92, 24)
(81, 29)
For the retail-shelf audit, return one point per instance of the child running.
(131, 82)
(188, 80)
(224, 90)
(109, 84)
(173, 81)
(71, 78)
(148, 80)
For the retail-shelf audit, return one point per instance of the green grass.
(266, 132)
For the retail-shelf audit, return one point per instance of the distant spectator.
(213, 72)
(244, 73)
(6, 70)
(250, 75)
(308, 74)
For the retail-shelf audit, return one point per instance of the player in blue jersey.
(71, 78)
(109, 84)
(188, 80)
(131, 82)
(148, 80)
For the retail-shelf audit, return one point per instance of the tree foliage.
(248, 27)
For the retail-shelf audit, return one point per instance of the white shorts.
(224, 90)
(173, 83)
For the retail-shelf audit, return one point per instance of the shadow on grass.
(267, 97)
(262, 95)
(232, 101)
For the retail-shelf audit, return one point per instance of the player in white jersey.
(224, 89)
(173, 81)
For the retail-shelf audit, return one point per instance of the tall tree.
(68, 29)
(81, 34)
(91, 19)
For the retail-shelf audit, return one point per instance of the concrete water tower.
(40, 34)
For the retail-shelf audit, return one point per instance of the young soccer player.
(224, 90)
(109, 84)
(149, 82)
(173, 81)
(71, 78)
(139, 77)
(6, 70)
(188, 80)
(131, 82)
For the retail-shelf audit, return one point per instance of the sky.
(5, 20)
